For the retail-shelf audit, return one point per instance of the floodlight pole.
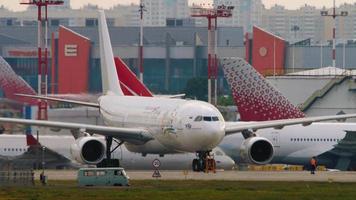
(212, 14)
(140, 53)
(295, 28)
(42, 45)
(334, 15)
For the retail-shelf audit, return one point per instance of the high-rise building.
(310, 23)
(157, 11)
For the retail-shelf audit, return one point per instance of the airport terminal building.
(172, 55)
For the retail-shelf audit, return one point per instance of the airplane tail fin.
(129, 82)
(31, 141)
(256, 99)
(11, 84)
(109, 76)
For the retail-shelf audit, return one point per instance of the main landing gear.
(108, 162)
(204, 163)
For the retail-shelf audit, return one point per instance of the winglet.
(109, 76)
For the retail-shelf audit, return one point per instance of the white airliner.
(15, 150)
(332, 143)
(152, 125)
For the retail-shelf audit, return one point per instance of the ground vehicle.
(115, 176)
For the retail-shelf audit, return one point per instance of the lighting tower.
(324, 13)
(212, 15)
(140, 53)
(42, 40)
(294, 29)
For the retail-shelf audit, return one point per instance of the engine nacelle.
(88, 150)
(257, 150)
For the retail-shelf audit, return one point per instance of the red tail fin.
(31, 141)
(130, 85)
(256, 99)
(11, 84)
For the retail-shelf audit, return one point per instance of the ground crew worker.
(313, 165)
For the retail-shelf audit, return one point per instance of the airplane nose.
(217, 132)
(205, 138)
(225, 162)
(213, 133)
(230, 163)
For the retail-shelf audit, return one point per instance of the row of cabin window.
(314, 140)
(14, 149)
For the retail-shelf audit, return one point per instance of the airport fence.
(17, 178)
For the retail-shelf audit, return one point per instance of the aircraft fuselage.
(174, 123)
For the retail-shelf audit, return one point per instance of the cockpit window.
(206, 118)
(219, 153)
(198, 118)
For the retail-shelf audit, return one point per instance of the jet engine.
(88, 150)
(257, 150)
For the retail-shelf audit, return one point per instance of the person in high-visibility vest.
(313, 165)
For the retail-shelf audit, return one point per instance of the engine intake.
(257, 150)
(88, 150)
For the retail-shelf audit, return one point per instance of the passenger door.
(275, 139)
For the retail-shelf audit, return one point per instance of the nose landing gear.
(204, 163)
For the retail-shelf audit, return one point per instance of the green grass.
(185, 190)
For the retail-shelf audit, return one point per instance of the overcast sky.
(290, 4)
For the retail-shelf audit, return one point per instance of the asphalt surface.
(320, 176)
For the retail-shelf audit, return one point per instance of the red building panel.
(73, 62)
(268, 52)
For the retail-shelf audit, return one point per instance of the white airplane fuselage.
(294, 144)
(170, 121)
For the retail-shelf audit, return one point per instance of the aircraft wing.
(174, 96)
(342, 154)
(237, 127)
(82, 103)
(133, 135)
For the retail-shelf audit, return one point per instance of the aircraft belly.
(150, 147)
